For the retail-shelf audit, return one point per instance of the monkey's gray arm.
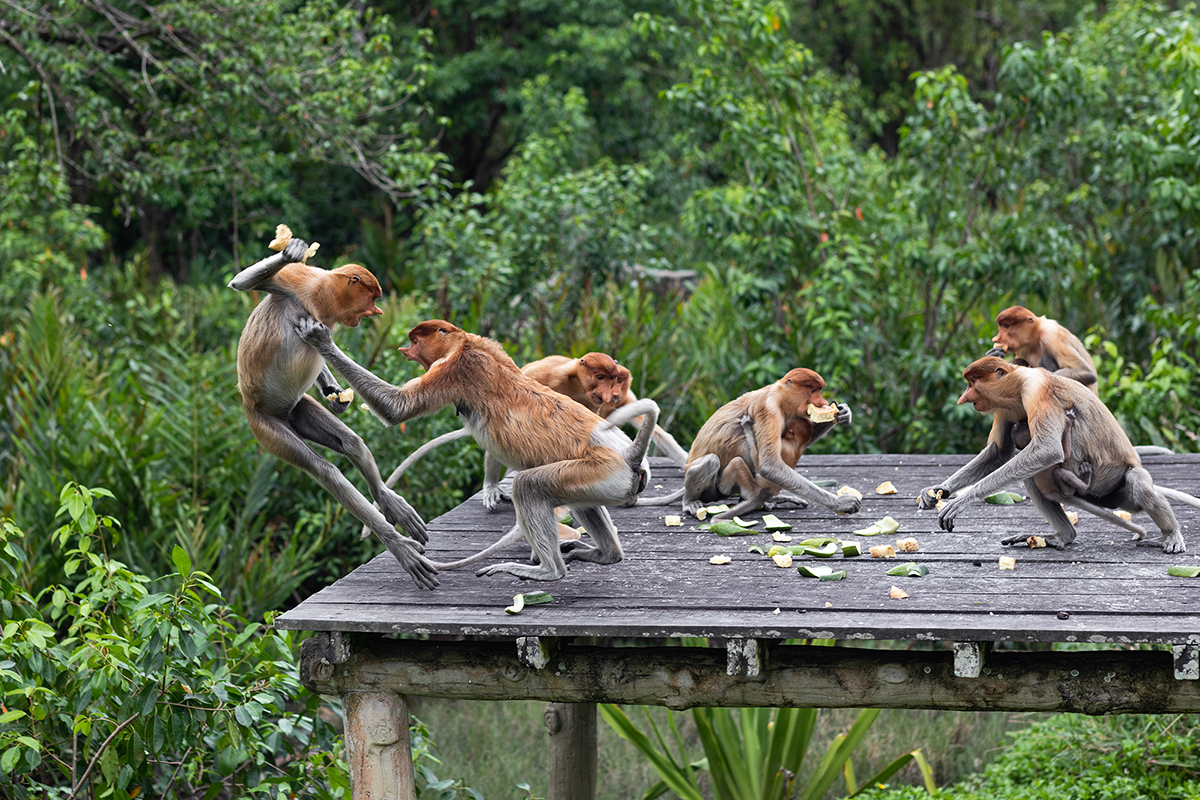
(780, 474)
(1043, 452)
(990, 459)
(260, 273)
(493, 471)
(1083, 375)
(390, 403)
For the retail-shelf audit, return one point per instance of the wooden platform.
(1101, 589)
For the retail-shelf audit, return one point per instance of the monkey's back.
(520, 421)
(275, 367)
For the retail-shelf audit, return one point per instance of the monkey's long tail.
(1178, 496)
(433, 443)
(661, 500)
(1152, 450)
(513, 535)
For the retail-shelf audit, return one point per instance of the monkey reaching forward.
(1063, 427)
(1042, 342)
(276, 369)
(752, 444)
(566, 454)
(595, 381)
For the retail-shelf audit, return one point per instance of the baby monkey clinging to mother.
(1063, 426)
(752, 444)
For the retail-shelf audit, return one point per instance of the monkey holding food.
(276, 369)
(752, 444)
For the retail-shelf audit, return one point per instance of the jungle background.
(713, 191)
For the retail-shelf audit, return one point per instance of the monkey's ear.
(1000, 372)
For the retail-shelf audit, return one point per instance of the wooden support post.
(378, 746)
(572, 728)
(969, 658)
(1187, 661)
(744, 657)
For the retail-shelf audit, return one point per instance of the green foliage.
(114, 681)
(1071, 757)
(121, 686)
(754, 753)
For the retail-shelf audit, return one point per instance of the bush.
(120, 686)
(1074, 757)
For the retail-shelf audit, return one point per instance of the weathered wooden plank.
(795, 676)
(1109, 589)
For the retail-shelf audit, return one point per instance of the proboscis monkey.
(1042, 342)
(565, 454)
(598, 382)
(752, 444)
(1056, 411)
(276, 369)
(594, 380)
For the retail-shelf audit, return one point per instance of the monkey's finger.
(995, 351)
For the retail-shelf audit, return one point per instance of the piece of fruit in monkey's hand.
(283, 235)
(822, 414)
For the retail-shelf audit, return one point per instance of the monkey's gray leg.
(314, 422)
(599, 525)
(1052, 512)
(535, 516)
(699, 479)
(1140, 495)
(279, 439)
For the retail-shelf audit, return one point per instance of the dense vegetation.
(712, 191)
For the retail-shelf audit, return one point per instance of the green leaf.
(1183, 572)
(183, 564)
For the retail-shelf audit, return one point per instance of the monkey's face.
(431, 340)
(973, 396)
(357, 292)
(1014, 328)
(604, 380)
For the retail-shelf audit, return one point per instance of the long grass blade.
(672, 774)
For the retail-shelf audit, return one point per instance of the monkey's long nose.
(962, 398)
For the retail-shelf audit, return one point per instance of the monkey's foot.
(397, 511)
(407, 552)
(1053, 540)
(583, 551)
(1169, 544)
(525, 572)
(786, 497)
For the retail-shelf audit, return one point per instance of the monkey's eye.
(441, 330)
(354, 279)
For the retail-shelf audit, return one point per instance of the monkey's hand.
(999, 352)
(844, 416)
(314, 333)
(294, 251)
(847, 504)
(338, 399)
(928, 498)
(949, 512)
(493, 496)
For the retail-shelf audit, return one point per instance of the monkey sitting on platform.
(752, 444)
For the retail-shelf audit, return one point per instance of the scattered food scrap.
(883, 551)
(885, 488)
(528, 599)
(1036, 541)
(898, 594)
(908, 545)
(1008, 562)
(718, 560)
(782, 560)
(673, 521)
(781, 537)
(911, 570)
